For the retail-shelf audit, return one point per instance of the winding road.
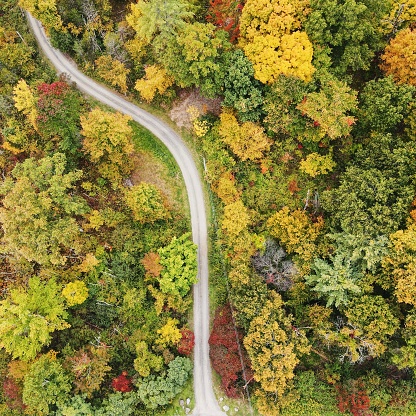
(205, 401)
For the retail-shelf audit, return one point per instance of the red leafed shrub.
(354, 399)
(13, 393)
(225, 14)
(187, 342)
(122, 383)
(224, 353)
(51, 99)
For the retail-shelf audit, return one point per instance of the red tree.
(353, 398)
(122, 383)
(225, 14)
(225, 352)
(13, 394)
(187, 342)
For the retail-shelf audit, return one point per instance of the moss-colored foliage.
(45, 384)
(38, 210)
(160, 391)
(315, 164)
(146, 202)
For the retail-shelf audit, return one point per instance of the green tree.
(335, 281)
(46, 384)
(146, 202)
(368, 202)
(328, 109)
(107, 141)
(349, 29)
(239, 87)
(383, 106)
(146, 361)
(159, 18)
(180, 267)
(29, 317)
(160, 391)
(38, 210)
(375, 318)
(118, 404)
(76, 406)
(194, 57)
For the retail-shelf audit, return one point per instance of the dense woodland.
(311, 165)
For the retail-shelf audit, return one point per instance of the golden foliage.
(295, 231)
(248, 140)
(25, 101)
(399, 58)
(155, 80)
(235, 219)
(272, 40)
(112, 71)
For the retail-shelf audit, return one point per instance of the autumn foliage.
(225, 14)
(225, 352)
(353, 399)
(122, 383)
(187, 342)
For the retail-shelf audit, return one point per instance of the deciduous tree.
(112, 71)
(295, 231)
(247, 140)
(30, 316)
(155, 81)
(146, 202)
(399, 58)
(274, 347)
(45, 385)
(272, 40)
(107, 141)
(179, 263)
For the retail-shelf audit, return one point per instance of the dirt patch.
(150, 170)
(188, 98)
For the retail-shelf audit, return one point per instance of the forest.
(310, 165)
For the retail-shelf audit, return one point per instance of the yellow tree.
(295, 231)
(315, 164)
(272, 40)
(399, 58)
(235, 219)
(112, 71)
(274, 347)
(107, 140)
(155, 80)
(248, 140)
(169, 334)
(25, 101)
(45, 11)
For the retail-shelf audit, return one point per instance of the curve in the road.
(205, 402)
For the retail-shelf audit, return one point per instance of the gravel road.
(205, 401)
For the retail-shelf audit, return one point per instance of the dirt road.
(205, 402)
